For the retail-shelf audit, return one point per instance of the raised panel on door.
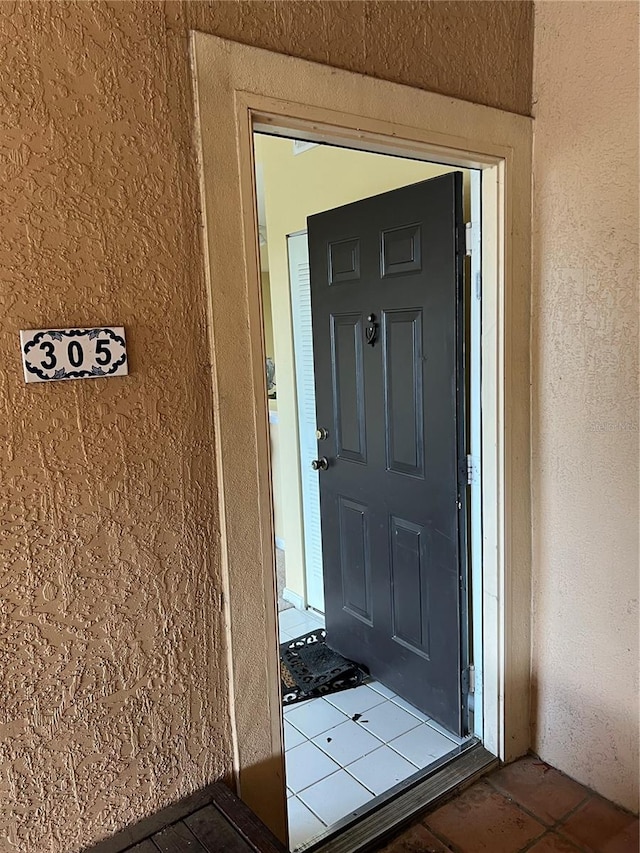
(344, 261)
(355, 557)
(401, 250)
(403, 391)
(410, 584)
(348, 386)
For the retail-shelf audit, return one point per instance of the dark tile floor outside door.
(525, 806)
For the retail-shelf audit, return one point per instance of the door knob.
(320, 464)
(322, 434)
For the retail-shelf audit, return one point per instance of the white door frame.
(239, 89)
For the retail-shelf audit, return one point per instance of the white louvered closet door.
(305, 390)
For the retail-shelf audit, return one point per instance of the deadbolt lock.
(320, 464)
(322, 434)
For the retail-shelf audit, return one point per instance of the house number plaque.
(50, 354)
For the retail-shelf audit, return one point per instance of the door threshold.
(372, 825)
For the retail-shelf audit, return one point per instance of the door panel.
(401, 250)
(355, 557)
(348, 386)
(404, 420)
(344, 261)
(410, 584)
(386, 290)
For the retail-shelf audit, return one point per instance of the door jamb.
(476, 574)
(240, 89)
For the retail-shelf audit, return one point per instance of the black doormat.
(309, 669)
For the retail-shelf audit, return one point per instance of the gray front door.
(387, 309)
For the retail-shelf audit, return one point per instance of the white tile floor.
(336, 764)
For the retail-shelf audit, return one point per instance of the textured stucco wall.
(585, 393)
(114, 690)
(114, 696)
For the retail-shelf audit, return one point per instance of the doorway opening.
(239, 89)
(371, 324)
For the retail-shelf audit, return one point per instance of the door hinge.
(469, 231)
(469, 679)
(472, 243)
(471, 470)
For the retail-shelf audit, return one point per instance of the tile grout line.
(317, 815)
(333, 772)
(351, 775)
(387, 743)
(399, 782)
(345, 767)
(346, 770)
(441, 837)
(296, 794)
(306, 788)
(408, 760)
(348, 718)
(424, 767)
(545, 832)
(546, 829)
(390, 742)
(418, 724)
(552, 827)
(557, 826)
(326, 825)
(380, 743)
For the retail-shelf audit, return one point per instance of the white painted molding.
(239, 89)
(293, 598)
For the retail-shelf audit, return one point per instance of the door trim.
(239, 89)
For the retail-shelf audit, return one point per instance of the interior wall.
(114, 657)
(269, 347)
(297, 186)
(274, 426)
(585, 394)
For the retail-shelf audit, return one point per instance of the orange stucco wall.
(114, 696)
